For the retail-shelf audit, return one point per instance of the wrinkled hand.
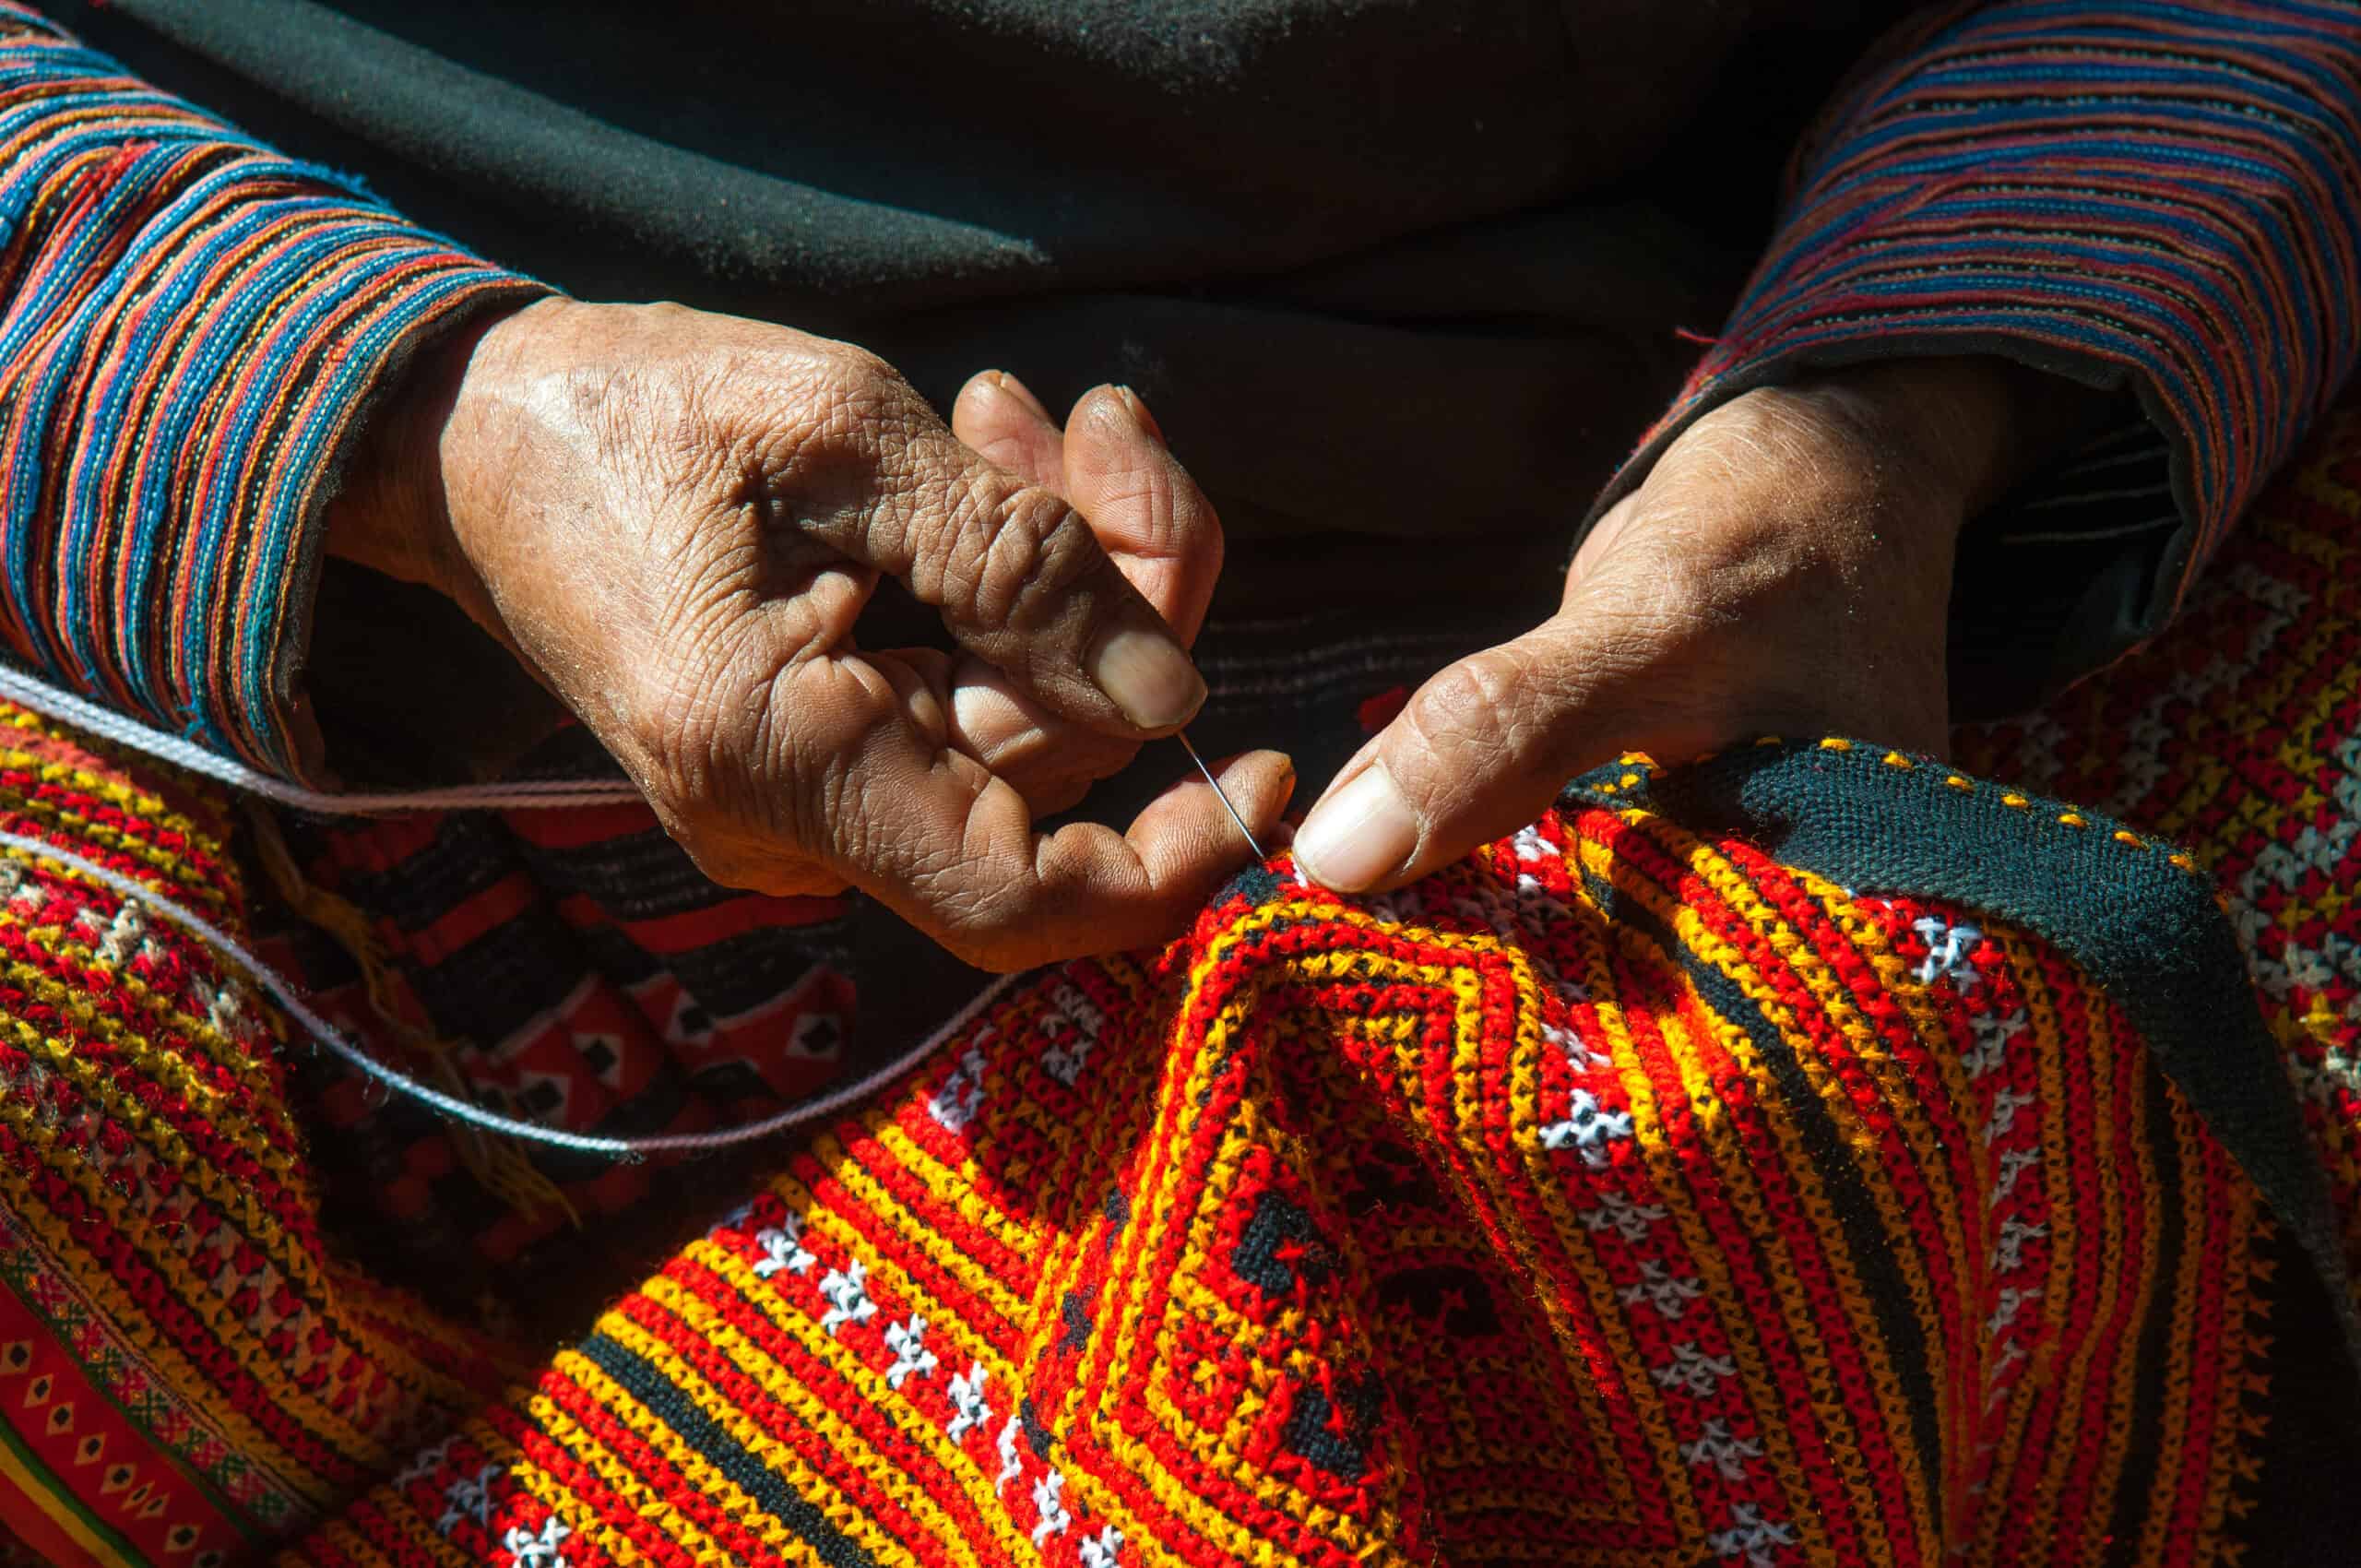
(1786, 568)
(675, 517)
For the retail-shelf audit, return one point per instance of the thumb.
(1479, 751)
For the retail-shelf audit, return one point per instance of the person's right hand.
(674, 517)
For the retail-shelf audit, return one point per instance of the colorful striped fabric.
(191, 326)
(1626, 1194)
(2162, 195)
(1668, 1184)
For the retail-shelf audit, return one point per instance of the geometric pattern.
(2240, 735)
(1616, 1196)
(1620, 1194)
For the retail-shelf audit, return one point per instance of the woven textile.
(1686, 1178)
(188, 1368)
(1755, 1222)
(2240, 735)
(194, 326)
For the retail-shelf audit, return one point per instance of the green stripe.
(58, 1489)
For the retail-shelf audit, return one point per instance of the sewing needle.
(1221, 795)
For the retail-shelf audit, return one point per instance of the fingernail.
(1022, 393)
(1359, 835)
(1146, 674)
(1139, 412)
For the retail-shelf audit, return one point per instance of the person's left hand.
(1786, 568)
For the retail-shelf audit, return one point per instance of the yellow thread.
(187, 1382)
(836, 1435)
(499, 1164)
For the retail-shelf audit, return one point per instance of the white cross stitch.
(1670, 1297)
(1716, 1447)
(1751, 1535)
(127, 931)
(1948, 946)
(1100, 1550)
(426, 1464)
(2015, 1162)
(23, 896)
(847, 1300)
(1627, 1216)
(224, 1009)
(1693, 1370)
(1994, 1032)
(1587, 1128)
(2008, 1249)
(1053, 1515)
(527, 1550)
(783, 1248)
(2009, 1303)
(2005, 1105)
(968, 1401)
(1580, 1057)
(1012, 1463)
(470, 1497)
(910, 1358)
(956, 1103)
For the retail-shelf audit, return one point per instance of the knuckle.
(843, 406)
(1467, 700)
(1022, 556)
(1494, 713)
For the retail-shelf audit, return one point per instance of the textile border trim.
(2139, 916)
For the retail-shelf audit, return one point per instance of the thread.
(327, 1035)
(550, 794)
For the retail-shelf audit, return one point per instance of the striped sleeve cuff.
(2163, 198)
(192, 327)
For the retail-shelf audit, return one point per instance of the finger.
(937, 837)
(1052, 762)
(1163, 536)
(999, 416)
(1016, 574)
(1142, 505)
(1479, 751)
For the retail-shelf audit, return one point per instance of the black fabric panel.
(488, 989)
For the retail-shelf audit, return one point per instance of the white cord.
(464, 1111)
(29, 691)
